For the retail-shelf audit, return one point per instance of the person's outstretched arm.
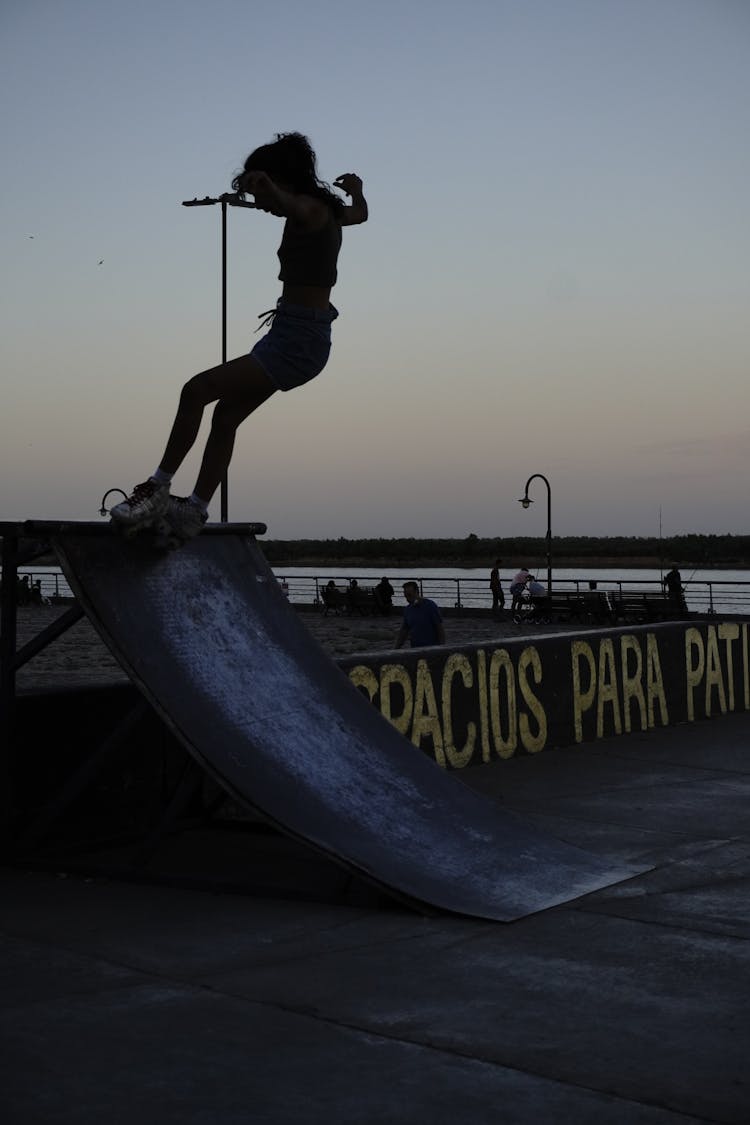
(357, 211)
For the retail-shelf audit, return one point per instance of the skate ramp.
(208, 637)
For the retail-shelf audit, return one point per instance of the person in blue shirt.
(422, 623)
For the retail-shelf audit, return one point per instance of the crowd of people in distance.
(528, 593)
(422, 622)
(28, 592)
(355, 597)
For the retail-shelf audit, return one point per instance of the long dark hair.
(291, 159)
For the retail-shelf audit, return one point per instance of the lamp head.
(526, 501)
(103, 511)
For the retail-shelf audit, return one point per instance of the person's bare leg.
(241, 379)
(231, 410)
(240, 387)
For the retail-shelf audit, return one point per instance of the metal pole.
(8, 599)
(526, 500)
(226, 200)
(549, 537)
(225, 479)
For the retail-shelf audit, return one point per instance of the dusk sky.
(554, 279)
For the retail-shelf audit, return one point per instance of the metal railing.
(702, 596)
(52, 585)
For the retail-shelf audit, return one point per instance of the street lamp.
(525, 501)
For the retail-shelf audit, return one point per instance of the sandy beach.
(79, 657)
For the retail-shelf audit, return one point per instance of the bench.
(360, 599)
(567, 606)
(641, 606)
(334, 600)
(596, 607)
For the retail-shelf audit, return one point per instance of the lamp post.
(524, 502)
(226, 200)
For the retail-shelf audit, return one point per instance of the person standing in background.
(496, 586)
(673, 586)
(423, 623)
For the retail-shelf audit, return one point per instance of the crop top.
(309, 257)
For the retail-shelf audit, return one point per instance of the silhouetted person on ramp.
(282, 177)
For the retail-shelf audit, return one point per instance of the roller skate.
(144, 510)
(184, 521)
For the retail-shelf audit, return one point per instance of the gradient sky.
(554, 277)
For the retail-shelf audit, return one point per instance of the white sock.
(202, 505)
(161, 477)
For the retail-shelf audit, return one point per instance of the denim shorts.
(297, 345)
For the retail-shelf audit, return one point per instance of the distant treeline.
(473, 551)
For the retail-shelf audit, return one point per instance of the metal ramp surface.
(208, 637)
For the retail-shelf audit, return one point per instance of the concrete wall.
(464, 706)
(470, 706)
(479, 704)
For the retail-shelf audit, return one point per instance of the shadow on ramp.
(208, 637)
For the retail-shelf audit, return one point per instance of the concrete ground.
(80, 658)
(137, 1004)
